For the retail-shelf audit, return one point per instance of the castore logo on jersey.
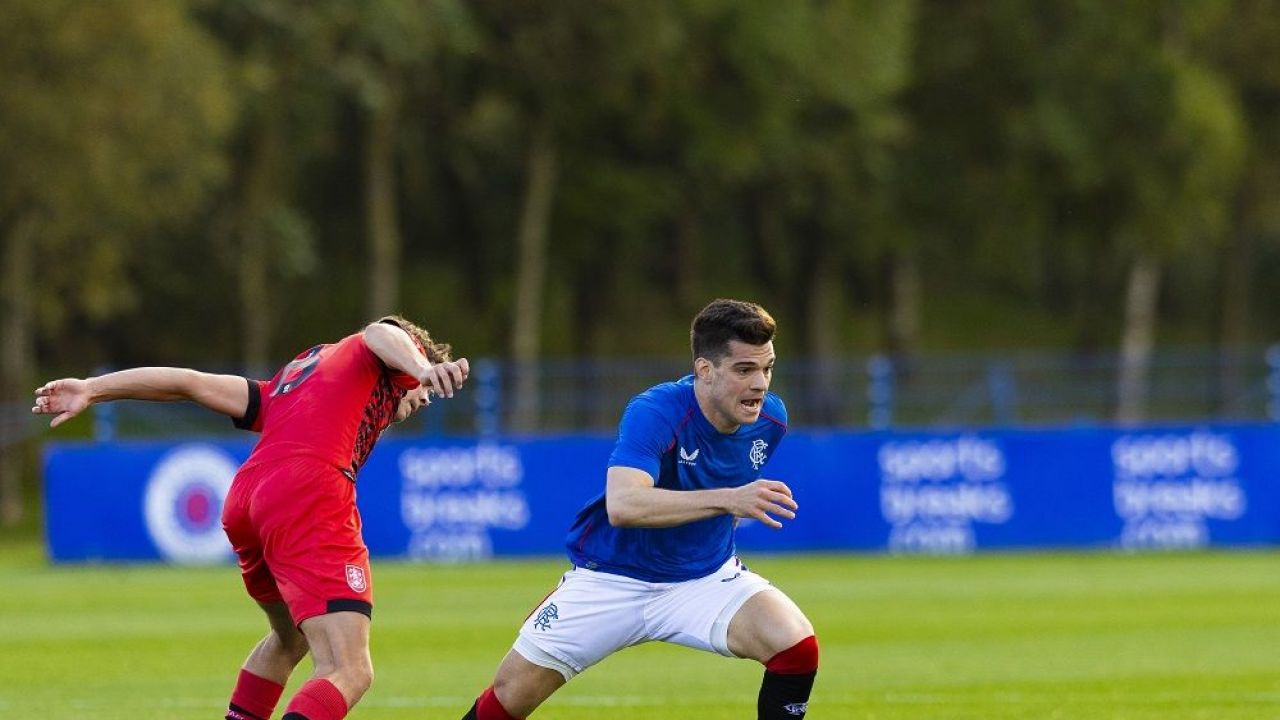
(687, 458)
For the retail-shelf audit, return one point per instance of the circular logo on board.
(183, 504)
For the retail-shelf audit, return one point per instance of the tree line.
(222, 182)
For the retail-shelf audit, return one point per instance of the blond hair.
(435, 352)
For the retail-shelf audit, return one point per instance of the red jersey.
(331, 403)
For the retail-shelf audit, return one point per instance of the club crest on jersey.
(796, 708)
(356, 579)
(687, 458)
(757, 455)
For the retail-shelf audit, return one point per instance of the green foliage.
(800, 153)
(1091, 133)
(114, 116)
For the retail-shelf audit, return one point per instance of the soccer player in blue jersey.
(653, 555)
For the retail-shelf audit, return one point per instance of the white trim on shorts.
(536, 655)
(592, 615)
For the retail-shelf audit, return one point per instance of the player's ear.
(702, 369)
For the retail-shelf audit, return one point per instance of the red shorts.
(296, 530)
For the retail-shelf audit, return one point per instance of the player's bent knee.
(521, 685)
(294, 646)
(363, 677)
(354, 679)
(801, 626)
(798, 659)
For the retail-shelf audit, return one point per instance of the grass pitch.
(1167, 636)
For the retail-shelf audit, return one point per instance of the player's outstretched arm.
(633, 501)
(394, 347)
(68, 397)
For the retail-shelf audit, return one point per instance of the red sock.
(488, 707)
(254, 698)
(788, 681)
(318, 699)
(796, 660)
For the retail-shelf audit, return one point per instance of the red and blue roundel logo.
(194, 507)
(183, 504)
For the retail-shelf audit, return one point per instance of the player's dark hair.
(724, 320)
(435, 352)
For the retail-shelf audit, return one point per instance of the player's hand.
(762, 500)
(64, 399)
(444, 378)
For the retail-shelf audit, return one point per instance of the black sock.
(471, 714)
(235, 712)
(784, 697)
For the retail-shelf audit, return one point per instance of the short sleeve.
(402, 380)
(252, 419)
(775, 411)
(643, 436)
(399, 378)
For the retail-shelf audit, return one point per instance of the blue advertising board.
(935, 492)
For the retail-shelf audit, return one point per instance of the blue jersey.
(664, 433)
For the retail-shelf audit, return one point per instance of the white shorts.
(592, 615)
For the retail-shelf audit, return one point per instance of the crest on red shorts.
(355, 578)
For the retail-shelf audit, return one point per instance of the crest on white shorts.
(549, 613)
(356, 579)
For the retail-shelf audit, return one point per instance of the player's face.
(738, 384)
(413, 401)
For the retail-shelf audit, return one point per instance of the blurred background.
(962, 214)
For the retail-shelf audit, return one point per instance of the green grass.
(1165, 636)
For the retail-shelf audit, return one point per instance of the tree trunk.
(256, 309)
(15, 363)
(765, 261)
(463, 184)
(903, 326)
(1234, 331)
(535, 221)
(1138, 341)
(688, 266)
(382, 224)
(824, 318)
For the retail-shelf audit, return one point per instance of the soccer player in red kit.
(291, 513)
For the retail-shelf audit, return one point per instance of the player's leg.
(263, 676)
(736, 613)
(519, 687)
(343, 671)
(587, 618)
(306, 515)
(770, 628)
(261, 679)
(277, 654)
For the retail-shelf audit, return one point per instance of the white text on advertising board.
(933, 491)
(1167, 486)
(452, 497)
